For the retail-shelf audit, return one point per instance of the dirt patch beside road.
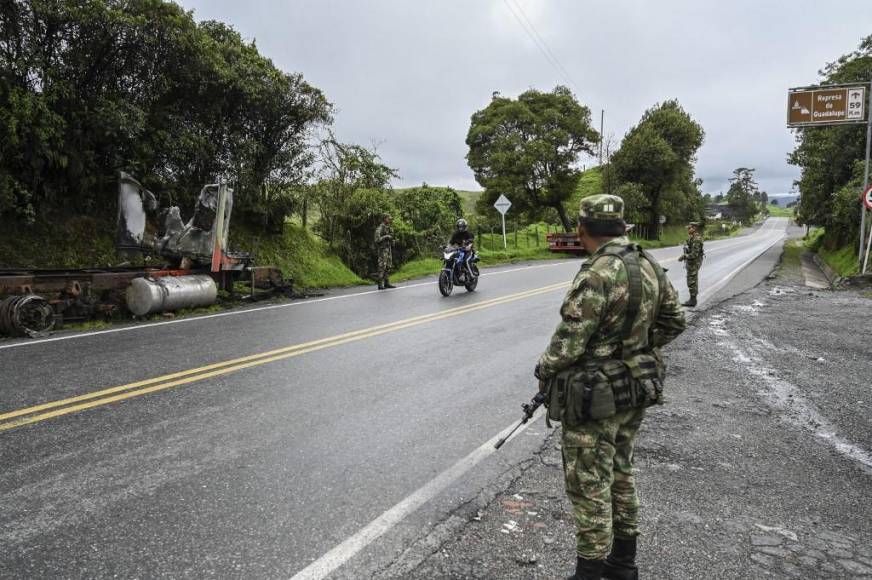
(759, 466)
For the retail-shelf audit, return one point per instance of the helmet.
(461, 224)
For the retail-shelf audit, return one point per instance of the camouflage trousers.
(693, 277)
(385, 262)
(598, 466)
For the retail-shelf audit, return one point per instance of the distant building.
(716, 211)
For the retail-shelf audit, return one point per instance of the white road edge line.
(339, 555)
(258, 309)
(723, 281)
(275, 306)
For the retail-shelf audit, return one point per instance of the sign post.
(503, 204)
(866, 180)
(867, 205)
(835, 105)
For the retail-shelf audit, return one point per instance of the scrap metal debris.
(27, 315)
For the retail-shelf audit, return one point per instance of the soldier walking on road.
(599, 372)
(384, 239)
(692, 258)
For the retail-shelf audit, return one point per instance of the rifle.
(529, 409)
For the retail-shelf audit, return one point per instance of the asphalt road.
(283, 441)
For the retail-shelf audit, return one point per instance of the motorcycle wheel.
(471, 283)
(445, 283)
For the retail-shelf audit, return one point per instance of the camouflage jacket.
(594, 309)
(693, 251)
(383, 235)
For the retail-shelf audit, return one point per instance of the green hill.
(591, 182)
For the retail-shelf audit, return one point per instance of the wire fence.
(536, 235)
(517, 237)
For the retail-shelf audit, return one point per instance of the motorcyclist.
(462, 240)
(461, 237)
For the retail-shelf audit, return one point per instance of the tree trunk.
(654, 218)
(564, 219)
(654, 225)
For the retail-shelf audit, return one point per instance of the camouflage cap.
(602, 207)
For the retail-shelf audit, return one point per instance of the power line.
(549, 55)
(534, 39)
(540, 41)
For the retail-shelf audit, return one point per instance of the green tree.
(431, 213)
(658, 155)
(831, 159)
(527, 148)
(344, 169)
(743, 196)
(91, 88)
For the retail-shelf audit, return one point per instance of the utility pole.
(602, 122)
(866, 174)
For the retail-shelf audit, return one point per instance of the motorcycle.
(458, 268)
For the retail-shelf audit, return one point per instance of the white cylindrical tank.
(149, 295)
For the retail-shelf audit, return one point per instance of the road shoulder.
(759, 466)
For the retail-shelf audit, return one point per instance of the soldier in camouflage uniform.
(692, 258)
(598, 454)
(384, 238)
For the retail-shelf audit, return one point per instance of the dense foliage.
(657, 158)
(91, 88)
(831, 159)
(528, 148)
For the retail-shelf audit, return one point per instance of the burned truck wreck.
(194, 257)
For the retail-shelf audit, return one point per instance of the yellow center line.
(155, 384)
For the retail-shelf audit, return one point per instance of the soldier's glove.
(682, 258)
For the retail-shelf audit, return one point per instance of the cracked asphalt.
(759, 466)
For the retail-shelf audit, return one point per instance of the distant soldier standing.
(599, 372)
(384, 238)
(692, 258)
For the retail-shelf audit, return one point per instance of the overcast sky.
(407, 74)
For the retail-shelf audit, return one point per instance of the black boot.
(381, 284)
(388, 284)
(587, 570)
(690, 303)
(621, 563)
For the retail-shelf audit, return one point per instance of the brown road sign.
(799, 107)
(826, 106)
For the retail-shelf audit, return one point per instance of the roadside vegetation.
(203, 104)
(778, 211)
(842, 259)
(831, 160)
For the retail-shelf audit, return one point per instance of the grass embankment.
(843, 260)
(790, 259)
(468, 200)
(299, 254)
(78, 242)
(84, 242)
(590, 182)
(778, 211)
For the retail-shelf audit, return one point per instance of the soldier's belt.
(598, 391)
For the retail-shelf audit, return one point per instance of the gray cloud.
(408, 75)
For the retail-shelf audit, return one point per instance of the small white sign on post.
(503, 204)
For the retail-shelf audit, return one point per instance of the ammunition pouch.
(610, 386)
(600, 387)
